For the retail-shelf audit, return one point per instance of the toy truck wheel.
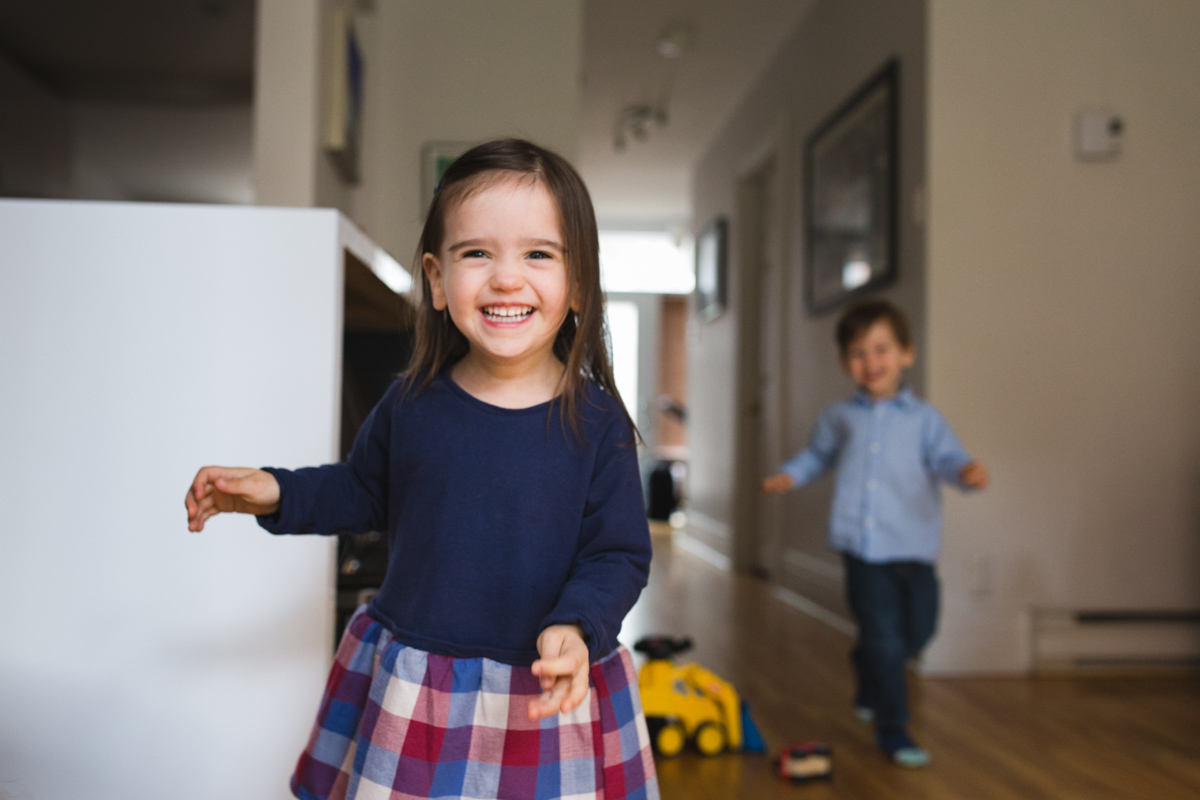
(666, 735)
(711, 738)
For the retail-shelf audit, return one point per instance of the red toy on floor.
(805, 761)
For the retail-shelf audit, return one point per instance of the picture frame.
(435, 157)
(344, 96)
(851, 169)
(711, 269)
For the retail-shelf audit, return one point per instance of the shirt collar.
(903, 398)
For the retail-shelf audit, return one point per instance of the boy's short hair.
(855, 321)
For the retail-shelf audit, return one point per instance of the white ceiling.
(648, 184)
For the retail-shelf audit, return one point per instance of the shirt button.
(872, 485)
(870, 522)
(874, 447)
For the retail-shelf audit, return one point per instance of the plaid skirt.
(398, 723)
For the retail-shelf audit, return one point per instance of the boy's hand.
(777, 484)
(240, 489)
(974, 476)
(562, 671)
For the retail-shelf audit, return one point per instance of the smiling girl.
(502, 466)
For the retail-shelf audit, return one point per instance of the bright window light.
(645, 262)
(623, 328)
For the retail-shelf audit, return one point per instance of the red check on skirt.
(398, 723)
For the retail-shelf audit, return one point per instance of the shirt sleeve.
(944, 454)
(612, 561)
(347, 497)
(821, 454)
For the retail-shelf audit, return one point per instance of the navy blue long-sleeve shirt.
(499, 522)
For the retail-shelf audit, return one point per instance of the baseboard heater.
(1096, 639)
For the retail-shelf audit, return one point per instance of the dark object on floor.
(805, 761)
(663, 646)
(662, 496)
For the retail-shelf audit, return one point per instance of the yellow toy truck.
(688, 703)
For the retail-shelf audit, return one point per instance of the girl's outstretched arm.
(239, 489)
(562, 671)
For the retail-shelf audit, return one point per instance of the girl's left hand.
(562, 671)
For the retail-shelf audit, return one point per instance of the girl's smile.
(505, 315)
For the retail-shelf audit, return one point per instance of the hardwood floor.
(1024, 739)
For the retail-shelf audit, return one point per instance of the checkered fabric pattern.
(398, 723)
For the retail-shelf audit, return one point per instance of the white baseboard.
(817, 612)
(691, 544)
(814, 570)
(1070, 638)
(722, 531)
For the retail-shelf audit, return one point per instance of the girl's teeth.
(508, 312)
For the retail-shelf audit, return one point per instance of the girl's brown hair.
(582, 340)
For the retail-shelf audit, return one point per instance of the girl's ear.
(433, 271)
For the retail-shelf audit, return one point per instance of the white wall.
(450, 71)
(35, 137)
(137, 343)
(1063, 333)
(287, 64)
(459, 71)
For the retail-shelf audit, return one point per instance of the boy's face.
(876, 360)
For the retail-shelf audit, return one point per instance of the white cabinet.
(139, 342)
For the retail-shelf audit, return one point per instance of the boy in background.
(891, 450)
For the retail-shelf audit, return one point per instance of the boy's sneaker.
(897, 745)
(864, 714)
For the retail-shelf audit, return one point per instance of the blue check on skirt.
(398, 723)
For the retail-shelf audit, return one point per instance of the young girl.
(502, 466)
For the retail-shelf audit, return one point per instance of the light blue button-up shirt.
(890, 455)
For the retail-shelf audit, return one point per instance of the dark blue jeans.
(896, 607)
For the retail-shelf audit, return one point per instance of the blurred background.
(206, 243)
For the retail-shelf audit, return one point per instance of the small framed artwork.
(344, 93)
(850, 176)
(710, 269)
(435, 157)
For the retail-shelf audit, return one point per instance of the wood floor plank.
(1056, 738)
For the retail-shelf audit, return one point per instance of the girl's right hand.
(240, 489)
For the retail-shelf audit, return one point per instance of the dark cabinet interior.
(376, 345)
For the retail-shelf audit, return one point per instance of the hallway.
(1005, 738)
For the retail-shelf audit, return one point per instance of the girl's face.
(502, 273)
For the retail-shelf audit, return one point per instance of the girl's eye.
(540, 254)
(474, 254)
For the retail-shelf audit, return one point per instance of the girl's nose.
(507, 276)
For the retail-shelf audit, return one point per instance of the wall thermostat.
(1098, 134)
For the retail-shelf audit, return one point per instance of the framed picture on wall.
(344, 96)
(850, 176)
(710, 269)
(435, 157)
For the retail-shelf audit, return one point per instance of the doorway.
(760, 369)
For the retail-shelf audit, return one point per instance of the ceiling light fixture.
(675, 40)
(634, 119)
